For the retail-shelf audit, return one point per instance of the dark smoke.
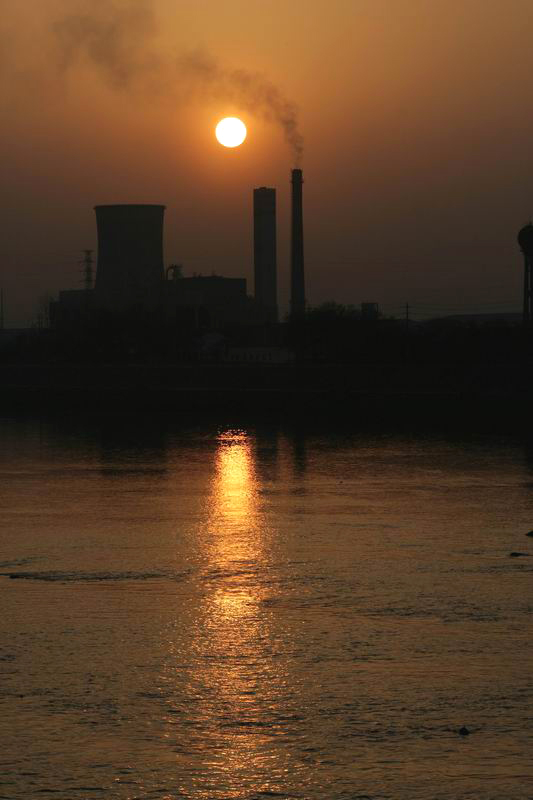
(113, 37)
(250, 90)
(117, 38)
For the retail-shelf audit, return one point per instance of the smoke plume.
(117, 38)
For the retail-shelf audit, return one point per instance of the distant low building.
(258, 355)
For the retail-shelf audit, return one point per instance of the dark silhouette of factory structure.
(131, 279)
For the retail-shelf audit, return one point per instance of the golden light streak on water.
(234, 630)
(240, 615)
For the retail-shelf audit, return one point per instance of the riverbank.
(490, 397)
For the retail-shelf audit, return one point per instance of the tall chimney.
(129, 271)
(265, 251)
(297, 247)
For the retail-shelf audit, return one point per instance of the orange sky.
(416, 116)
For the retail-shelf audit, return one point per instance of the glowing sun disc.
(231, 132)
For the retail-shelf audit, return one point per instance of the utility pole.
(87, 262)
(1, 309)
(407, 317)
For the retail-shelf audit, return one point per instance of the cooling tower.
(265, 251)
(130, 255)
(297, 247)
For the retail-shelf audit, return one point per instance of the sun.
(231, 132)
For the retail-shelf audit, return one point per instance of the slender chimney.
(265, 251)
(297, 247)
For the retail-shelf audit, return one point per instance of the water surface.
(221, 612)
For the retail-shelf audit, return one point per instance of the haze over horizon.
(411, 118)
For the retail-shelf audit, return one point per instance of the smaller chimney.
(297, 247)
(265, 251)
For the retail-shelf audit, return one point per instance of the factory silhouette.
(143, 337)
(133, 286)
(135, 307)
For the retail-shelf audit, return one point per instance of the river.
(213, 611)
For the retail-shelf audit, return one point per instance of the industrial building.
(131, 278)
(207, 301)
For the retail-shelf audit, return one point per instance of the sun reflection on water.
(235, 638)
(236, 535)
(231, 679)
(234, 491)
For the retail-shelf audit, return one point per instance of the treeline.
(337, 333)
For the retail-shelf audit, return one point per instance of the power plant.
(131, 277)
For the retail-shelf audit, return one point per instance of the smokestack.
(265, 251)
(130, 255)
(297, 247)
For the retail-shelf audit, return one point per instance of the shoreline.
(490, 398)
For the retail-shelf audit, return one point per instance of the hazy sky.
(416, 116)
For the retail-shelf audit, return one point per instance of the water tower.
(525, 240)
